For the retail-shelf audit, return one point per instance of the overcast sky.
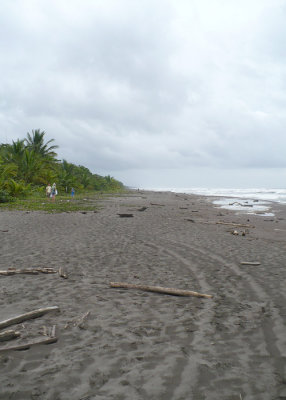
(161, 93)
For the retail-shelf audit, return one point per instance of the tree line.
(28, 165)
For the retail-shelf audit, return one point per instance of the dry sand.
(139, 345)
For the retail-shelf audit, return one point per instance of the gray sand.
(139, 345)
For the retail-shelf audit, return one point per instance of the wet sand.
(137, 345)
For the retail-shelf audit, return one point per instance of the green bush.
(18, 189)
(5, 197)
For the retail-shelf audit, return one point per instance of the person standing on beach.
(54, 192)
(48, 190)
(72, 192)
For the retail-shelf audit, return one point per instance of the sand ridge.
(140, 345)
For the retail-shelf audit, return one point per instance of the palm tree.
(13, 152)
(7, 171)
(37, 144)
(83, 175)
(66, 175)
(31, 166)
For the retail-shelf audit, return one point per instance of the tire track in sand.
(186, 371)
(255, 302)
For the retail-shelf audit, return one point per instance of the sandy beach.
(128, 344)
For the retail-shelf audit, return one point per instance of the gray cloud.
(148, 86)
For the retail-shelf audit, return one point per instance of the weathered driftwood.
(125, 215)
(48, 331)
(29, 271)
(53, 332)
(156, 204)
(47, 270)
(29, 315)
(44, 331)
(8, 335)
(62, 273)
(82, 319)
(18, 271)
(79, 322)
(159, 289)
(142, 209)
(26, 346)
(233, 224)
(250, 263)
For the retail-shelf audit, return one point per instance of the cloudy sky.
(161, 93)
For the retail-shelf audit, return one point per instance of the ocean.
(250, 201)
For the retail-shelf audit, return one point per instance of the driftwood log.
(46, 270)
(26, 346)
(233, 224)
(8, 335)
(159, 289)
(29, 271)
(142, 209)
(250, 263)
(29, 315)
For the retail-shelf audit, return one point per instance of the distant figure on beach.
(48, 190)
(54, 192)
(72, 192)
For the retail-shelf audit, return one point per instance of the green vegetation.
(88, 201)
(28, 165)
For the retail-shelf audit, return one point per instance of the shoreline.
(135, 345)
(251, 203)
(260, 194)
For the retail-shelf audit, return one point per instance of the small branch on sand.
(44, 331)
(30, 271)
(29, 344)
(159, 289)
(250, 263)
(233, 224)
(125, 215)
(50, 332)
(79, 322)
(30, 315)
(142, 209)
(53, 331)
(9, 335)
(155, 204)
(82, 319)
(228, 223)
(46, 270)
(62, 273)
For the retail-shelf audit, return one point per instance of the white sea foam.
(277, 195)
(250, 201)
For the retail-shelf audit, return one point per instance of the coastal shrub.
(18, 189)
(5, 197)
